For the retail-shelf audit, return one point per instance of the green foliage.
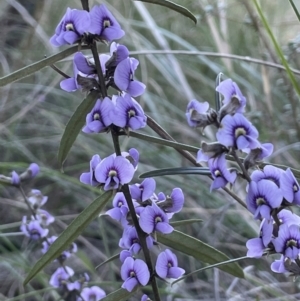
(75, 125)
(199, 250)
(173, 6)
(71, 233)
(34, 112)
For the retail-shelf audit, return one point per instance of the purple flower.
(124, 254)
(114, 171)
(71, 27)
(257, 154)
(89, 177)
(44, 217)
(98, 119)
(120, 210)
(196, 114)
(128, 113)
(142, 192)
(236, 131)
(234, 101)
(269, 172)
(29, 173)
(278, 266)
(123, 77)
(87, 65)
(210, 151)
(172, 203)
(60, 276)
(133, 157)
(71, 84)
(92, 293)
(119, 53)
(15, 179)
(290, 187)
(262, 197)
(130, 240)
(257, 246)
(33, 229)
(152, 218)
(288, 217)
(288, 241)
(71, 286)
(104, 24)
(134, 272)
(84, 65)
(145, 298)
(33, 170)
(167, 265)
(37, 199)
(220, 173)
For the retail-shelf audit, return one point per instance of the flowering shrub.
(144, 214)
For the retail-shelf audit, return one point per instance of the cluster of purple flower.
(123, 113)
(62, 277)
(153, 212)
(234, 133)
(269, 192)
(36, 229)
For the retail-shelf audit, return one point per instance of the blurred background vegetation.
(34, 112)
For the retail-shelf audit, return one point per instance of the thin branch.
(216, 54)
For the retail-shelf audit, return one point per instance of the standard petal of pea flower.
(134, 272)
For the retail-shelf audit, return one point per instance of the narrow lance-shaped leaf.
(119, 295)
(210, 267)
(70, 233)
(171, 5)
(199, 250)
(75, 125)
(30, 69)
(177, 171)
(161, 141)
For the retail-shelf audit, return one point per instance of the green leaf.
(74, 126)
(171, 5)
(70, 233)
(177, 171)
(199, 250)
(295, 9)
(119, 295)
(30, 69)
(210, 267)
(164, 142)
(185, 222)
(107, 261)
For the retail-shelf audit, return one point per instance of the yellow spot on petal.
(112, 173)
(106, 23)
(291, 243)
(295, 188)
(131, 113)
(217, 173)
(96, 116)
(239, 132)
(260, 201)
(69, 27)
(158, 219)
